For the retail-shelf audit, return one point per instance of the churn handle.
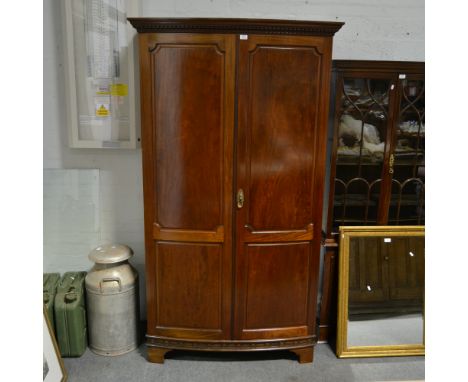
(108, 279)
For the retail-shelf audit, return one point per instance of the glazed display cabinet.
(234, 128)
(377, 155)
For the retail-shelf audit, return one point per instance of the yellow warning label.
(102, 111)
(119, 89)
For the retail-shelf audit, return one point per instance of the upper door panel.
(280, 98)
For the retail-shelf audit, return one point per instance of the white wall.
(71, 217)
(377, 30)
(373, 30)
(120, 185)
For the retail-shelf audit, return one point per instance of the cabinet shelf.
(410, 134)
(340, 221)
(408, 162)
(355, 198)
(360, 200)
(398, 162)
(406, 200)
(402, 221)
(354, 203)
(402, 157)
(355, 162)
(406, 220)
(375, 108)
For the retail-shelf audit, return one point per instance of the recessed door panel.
(284, 302)
(189, 135)
(283, 96)
(189, 286)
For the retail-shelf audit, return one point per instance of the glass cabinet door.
(362, 119)
(407, 159)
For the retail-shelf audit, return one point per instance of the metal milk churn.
(112, 301)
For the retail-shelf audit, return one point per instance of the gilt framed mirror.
(381, 291)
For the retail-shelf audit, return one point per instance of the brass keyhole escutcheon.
(240, 198)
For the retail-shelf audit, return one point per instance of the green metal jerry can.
(70, 315)
(49, 288)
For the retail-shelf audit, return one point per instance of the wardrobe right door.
(283, 86)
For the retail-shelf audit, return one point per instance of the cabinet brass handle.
(391, 162)
(240, 198)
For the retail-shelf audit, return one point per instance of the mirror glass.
(384, 290)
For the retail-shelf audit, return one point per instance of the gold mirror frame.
(342, 349)
(50, 347)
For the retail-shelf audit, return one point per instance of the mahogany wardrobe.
(234, 124)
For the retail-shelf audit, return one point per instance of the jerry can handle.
(71, 295)
(64, 280)
(109, 279)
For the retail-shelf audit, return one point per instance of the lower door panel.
(275, 293)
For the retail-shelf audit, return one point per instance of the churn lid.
(110, 253)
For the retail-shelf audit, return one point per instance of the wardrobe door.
(282, 108)
(187, 130)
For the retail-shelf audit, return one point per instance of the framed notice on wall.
(100, 73)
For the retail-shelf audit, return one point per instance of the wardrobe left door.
(187, 102)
